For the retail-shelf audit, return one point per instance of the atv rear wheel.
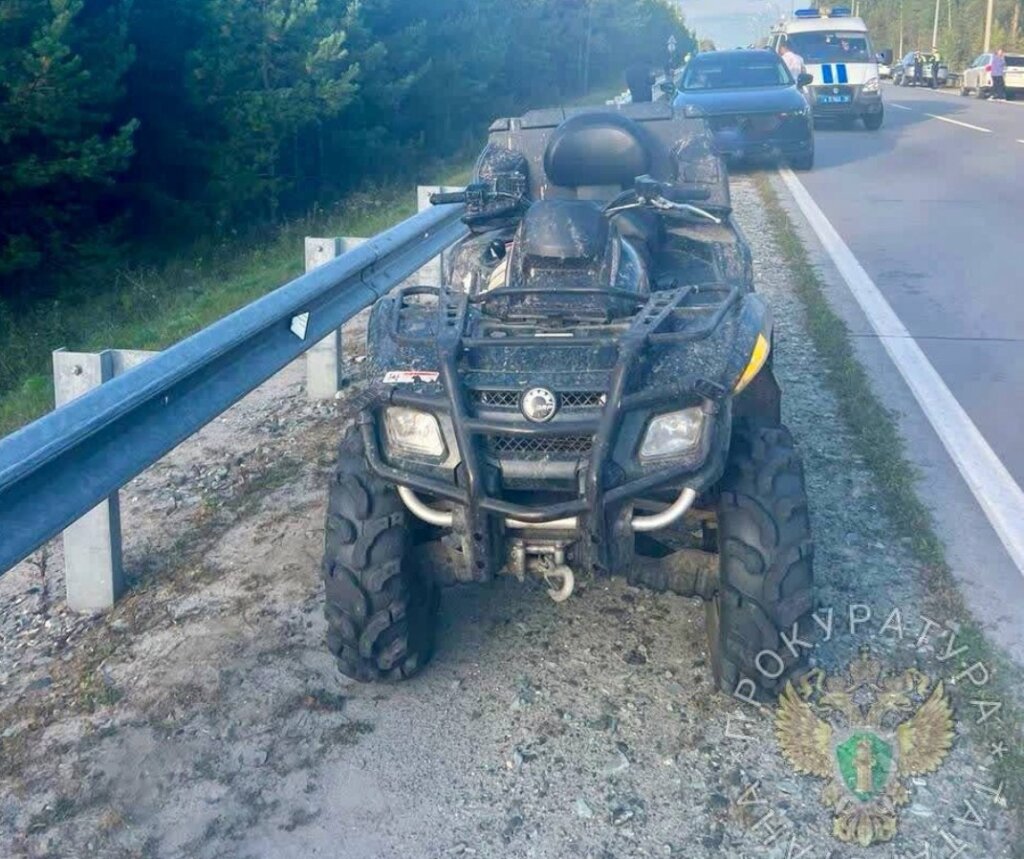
(381, 615)
(765, 564)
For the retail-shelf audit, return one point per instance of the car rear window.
(1016, 62)
(721, 70)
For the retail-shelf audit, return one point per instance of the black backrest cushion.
(601, 148)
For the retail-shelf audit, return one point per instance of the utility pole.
(901, 29)
(988, 25)
(935, 29)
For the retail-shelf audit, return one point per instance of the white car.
(884, 71)
(977, 77)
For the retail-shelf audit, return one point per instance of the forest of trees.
(961, 26)
(135, 120)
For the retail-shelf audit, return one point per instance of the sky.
(731, 23)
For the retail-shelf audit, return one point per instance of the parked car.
(977, 77)
(884, 71)
(754, 107)
(905, 72)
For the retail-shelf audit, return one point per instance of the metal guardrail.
(62, 465)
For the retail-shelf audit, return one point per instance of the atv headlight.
(413, 431)
(871, 85)
(672, 434)
(757, 358)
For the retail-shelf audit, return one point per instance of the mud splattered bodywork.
(589, 393)
(677, 333)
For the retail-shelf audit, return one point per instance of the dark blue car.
(754, 106)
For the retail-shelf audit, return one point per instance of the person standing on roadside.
(794, 62)
(640, 82)
(999, 75)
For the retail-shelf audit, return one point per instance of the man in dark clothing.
(918, 69)
(640, 82)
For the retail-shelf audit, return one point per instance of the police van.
(838, 55)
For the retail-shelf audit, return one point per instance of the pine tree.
(61, 64)
(268, 72)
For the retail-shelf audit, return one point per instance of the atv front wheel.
(765, 564)
(381, 614)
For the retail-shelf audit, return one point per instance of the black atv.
(591, 393)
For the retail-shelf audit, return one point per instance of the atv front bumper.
(599, 521)
(471, 458)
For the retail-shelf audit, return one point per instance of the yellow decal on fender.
(757, 358)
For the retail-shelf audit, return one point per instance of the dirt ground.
(203, 717)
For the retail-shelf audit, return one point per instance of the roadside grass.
(152, 308)
(877, 439)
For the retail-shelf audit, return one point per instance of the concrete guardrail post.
(324, 360)
(93, 568)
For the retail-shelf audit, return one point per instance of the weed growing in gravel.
(348, 734)
(63, 808)
(877, 439)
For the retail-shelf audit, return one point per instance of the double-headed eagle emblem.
(865, 732)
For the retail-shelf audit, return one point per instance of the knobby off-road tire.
(381, 616)
(765, 563)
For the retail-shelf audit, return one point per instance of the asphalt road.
(934, 212)
(932, 209)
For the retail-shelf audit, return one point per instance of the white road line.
(898, 106)
(958, 122)
(1020, 141)
(993, 486)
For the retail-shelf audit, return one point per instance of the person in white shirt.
(794, 62)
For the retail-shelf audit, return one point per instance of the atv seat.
(598, 155)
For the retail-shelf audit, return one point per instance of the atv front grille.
(566, 399)
(582, 399)
(530, 445)
(497, 399)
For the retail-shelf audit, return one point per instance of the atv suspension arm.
(687, 572)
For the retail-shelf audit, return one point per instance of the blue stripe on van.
(826, 74)
(841, 68)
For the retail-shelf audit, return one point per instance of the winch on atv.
(589, 394)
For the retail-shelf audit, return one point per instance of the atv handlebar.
(646, 186)
(441, 198)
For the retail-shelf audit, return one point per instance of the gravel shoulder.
(203, 717)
